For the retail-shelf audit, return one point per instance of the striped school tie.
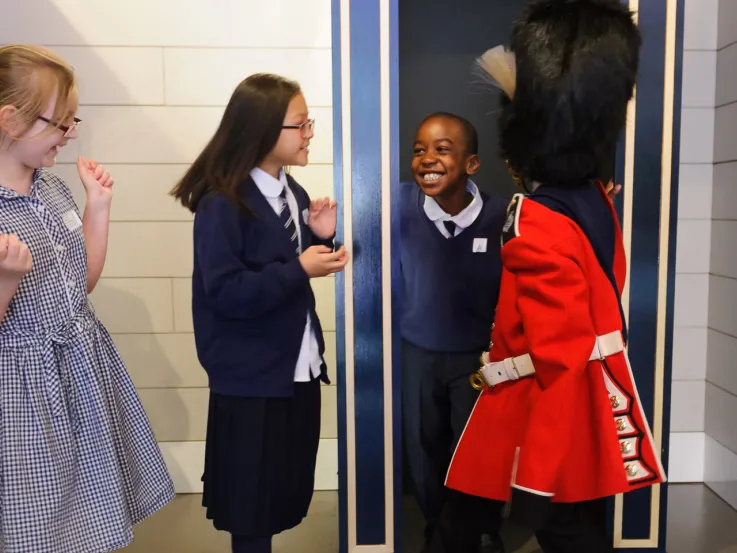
(285, 216)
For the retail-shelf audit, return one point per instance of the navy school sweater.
(250, 295)
(449, 291)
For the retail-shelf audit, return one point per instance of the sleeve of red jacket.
(553, 302)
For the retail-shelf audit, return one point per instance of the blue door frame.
(366, 132)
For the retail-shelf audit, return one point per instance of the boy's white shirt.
(463, 220)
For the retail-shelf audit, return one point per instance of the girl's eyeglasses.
(304, 128)
(66, 129)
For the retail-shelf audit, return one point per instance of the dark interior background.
(439, 42)
(438, 45)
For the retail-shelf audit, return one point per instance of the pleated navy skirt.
(260, 460)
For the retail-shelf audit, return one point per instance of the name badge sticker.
(479, 245)
(72, 220)
(306, 215)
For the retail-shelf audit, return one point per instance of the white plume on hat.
(500, 68)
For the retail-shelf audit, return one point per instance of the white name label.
(72, 220)
(479, 245)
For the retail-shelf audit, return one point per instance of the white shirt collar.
(465, 218)
(268, 185)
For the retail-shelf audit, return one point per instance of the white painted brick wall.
(155, 77)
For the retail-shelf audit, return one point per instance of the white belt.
(514, 368)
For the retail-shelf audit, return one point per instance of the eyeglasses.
(304, 128)
(66, 129)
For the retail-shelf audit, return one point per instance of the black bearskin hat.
(576, 64)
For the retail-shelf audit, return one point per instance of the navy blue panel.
(339, 281)
(396, 277)
(619, 176)
(619, 168)
(368, 324)
(619, 171)
(646, 235)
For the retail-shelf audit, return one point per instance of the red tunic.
(574, 430)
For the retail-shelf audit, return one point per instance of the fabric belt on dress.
(57, 371)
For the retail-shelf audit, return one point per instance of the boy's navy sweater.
(250, 295)
(449, 292)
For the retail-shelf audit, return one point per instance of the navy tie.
(285, 216)
(450, 226)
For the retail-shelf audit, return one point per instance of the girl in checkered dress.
(79, 464)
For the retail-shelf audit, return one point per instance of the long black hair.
(576, 63)
(249, 130)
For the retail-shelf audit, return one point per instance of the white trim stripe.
(385, 135)
(350, 385)
(535, 492)
(665, 205)
(460, 440)
(386, 263)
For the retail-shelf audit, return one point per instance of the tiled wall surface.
(153, 90)
(704, 401)
(694, 239)
(721, 373)
(155, 77)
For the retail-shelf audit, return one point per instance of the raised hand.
(613, 189)
(323, 217)
(15, 258)
(96, 180)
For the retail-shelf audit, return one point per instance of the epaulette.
(511, 225)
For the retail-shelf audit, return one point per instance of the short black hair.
(469, 131)
(577, 62)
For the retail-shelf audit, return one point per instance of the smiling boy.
(451, 270)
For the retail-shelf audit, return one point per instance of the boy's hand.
(15, 258)
(96, 180)
(320, 261)
(323, 217)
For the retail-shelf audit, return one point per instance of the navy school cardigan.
(250, 295)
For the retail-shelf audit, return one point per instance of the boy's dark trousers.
(571, 527)
(244, 544)
(437, 399)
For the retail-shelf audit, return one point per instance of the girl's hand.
(15, 258)
(320, 261)
(612, 190)
(323, 217)
(96, 180)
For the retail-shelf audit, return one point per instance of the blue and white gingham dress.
(79, 464)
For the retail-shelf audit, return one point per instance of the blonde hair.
(29, 77)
